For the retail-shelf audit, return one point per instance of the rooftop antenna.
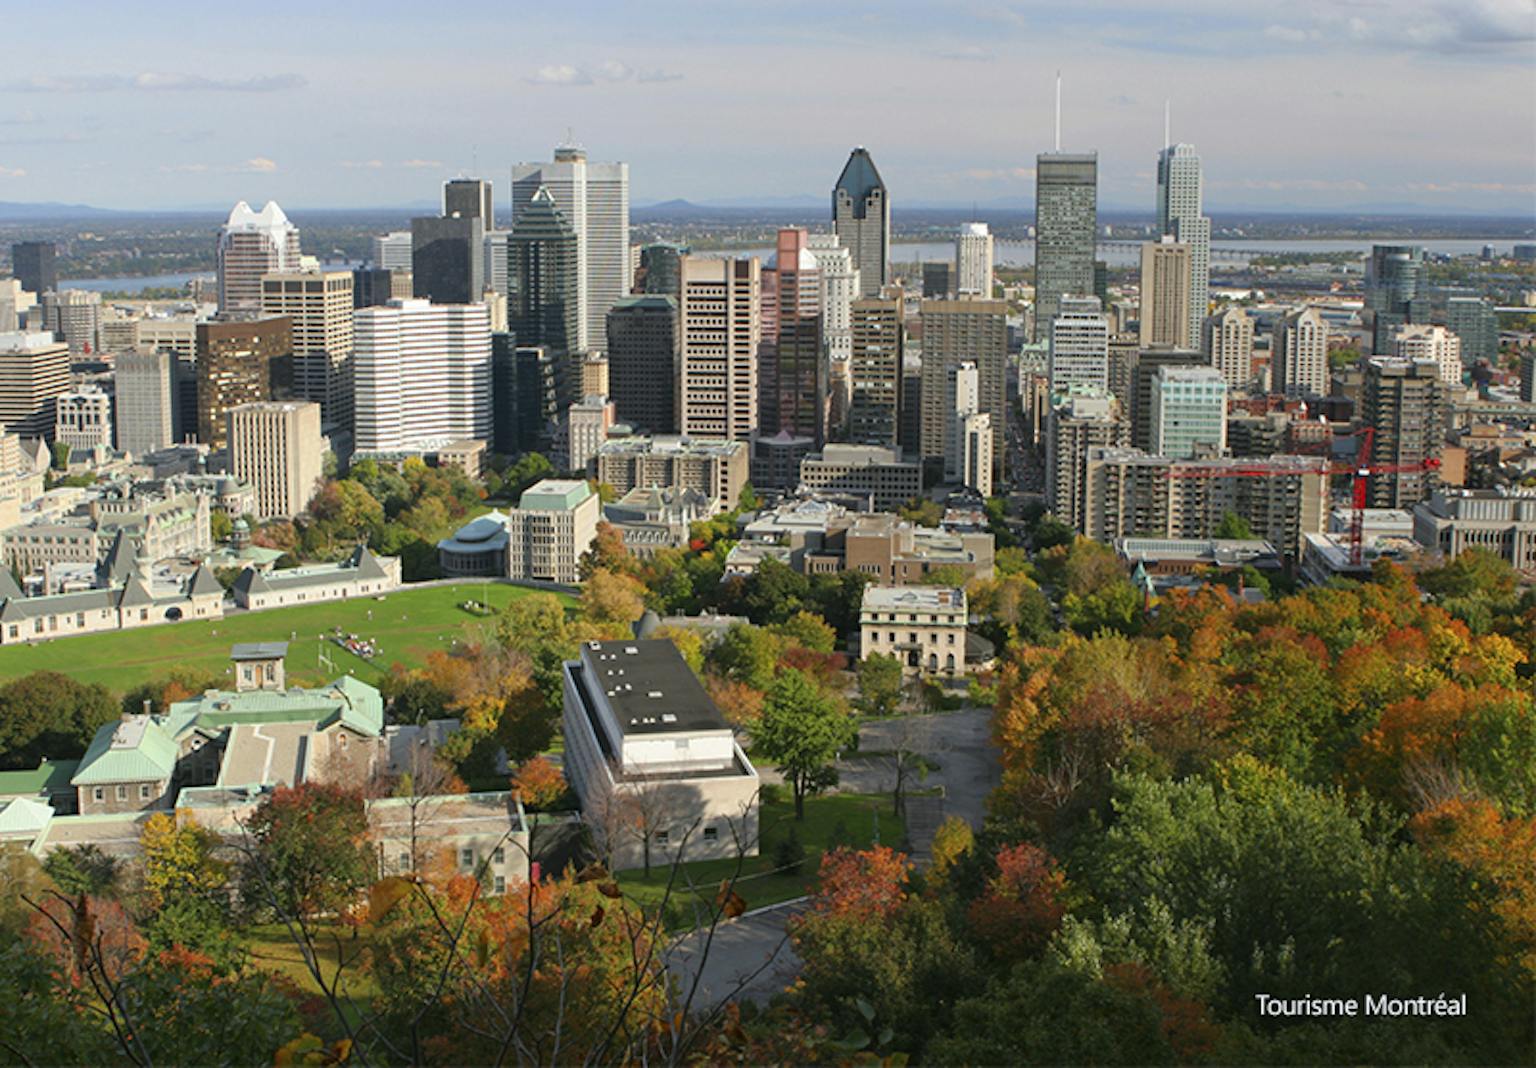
(1058, 111)
(1167, 124)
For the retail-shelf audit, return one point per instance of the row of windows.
(99, 793)
(912, 638)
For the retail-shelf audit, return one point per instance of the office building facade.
(643, 361)
(792, 365)
(875, 371)
(1189, 412)
(448, 259)
(34, 265)
(1179, 205)
(861, 218)
(973, 260)
(276, 449)
(1079, 346)
(1066, 225)
(235, 366)
(722, 328)
(1165, 296)
(544, 299)
(252, 244)
(956, 331)
(145, 401)
(421, 374)
(318, 306)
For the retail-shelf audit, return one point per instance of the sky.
(1310, 104)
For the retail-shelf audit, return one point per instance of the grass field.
(859, 820)
(407, 624)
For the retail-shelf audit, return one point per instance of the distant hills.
(17, 211)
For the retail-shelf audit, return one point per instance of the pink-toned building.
(792, 366)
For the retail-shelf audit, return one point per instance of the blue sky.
(1312, 104)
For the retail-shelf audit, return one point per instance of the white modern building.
(1079, 346)
(145, 407)
(657, 769)
(1299, 365)
(1421, 341)
(1179, 196)
(1500, 521)
(554, 523)
(973, 260)
(252, 244)
(421, 373)
(1227, 341)
(392, 251)
(1189, 412)
(594, 198)
(722, 327)
(83, 421)
(276, 448)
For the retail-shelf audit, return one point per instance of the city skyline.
(165, 131)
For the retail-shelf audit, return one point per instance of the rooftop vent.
(667, 717)
(632, 650)
(654, 693)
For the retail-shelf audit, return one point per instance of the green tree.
(748, 500)
(220, 526)
(47, 714)
(746, 654)
(84, 869)
(802, 730)
(880, 680)
(310, 850)
(808, 630)
(922, 511)
(1233, 526)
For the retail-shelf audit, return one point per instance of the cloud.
(151, 82)
(422, 163)
(610, 70)
(258, 164)
(12, 172)
(1288, 34)
(367, 164)
(379, 165)
(1415, 25)
(968, 54)
(255, 165)
(559, 74)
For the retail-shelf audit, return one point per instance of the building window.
(122, 792)
(661, 837)
(711, 834)
(98, 794)
(466, 858)
(143, 791)
(501, 884)
(500, 856)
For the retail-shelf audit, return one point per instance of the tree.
(807, 630)
(1233, 526)
(538, 783)
(309, 849)
(84, 870)
(880, 679)
(746, 654)
(802, 730)
(1022, 905)
(47, 714)
(220, 526)
(922, 511)
(612, 600)
(608, 553)
(748, 499)
(180, 860)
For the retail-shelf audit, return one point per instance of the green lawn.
(408, 624)
(865, 819)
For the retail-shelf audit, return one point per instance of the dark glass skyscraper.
(1394, 291)
(542, 288)
(1066, 223)
(471, 198)
(644, 353)
(32, 264)
(448, 259)
(861, 216)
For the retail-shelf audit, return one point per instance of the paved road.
(748, 958)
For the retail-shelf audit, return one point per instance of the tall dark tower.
(542, 291)
(33, 266)
(861, 216)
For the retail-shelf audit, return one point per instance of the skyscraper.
(1394, 291)
(392, 251)
(861, 217)
(973, 260)
(956, 331)
(1189, 411)
(722, 325)
(252, 244)
(1179, 197)
(594, 198)
(643, 357)
(792, 366)
(34, 373)
(448, 258)
(1404, 402)
(74, 316)
(275, 447)
(145, 408)
(1079, 346)
(32, 262)
(1299, 365)
(421, 373)
(543, 299)
(1165, 319)
(318, 305)
(875, 372)
(1227, 342)
(471, 198)
(839, 289)
(1474, 321)
(659, 271)
(234, 367)
(1066, 223)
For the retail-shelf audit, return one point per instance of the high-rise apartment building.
(660, 271)
(861, 218)
(34, 373)
(32, 263)
(470, 198)
(145, 401)
(1165, 295)
(1299, 362)
(875, 371)
(74, 316)
(1079, 346)
(1189, 412)
(722, 328)
(1227, 342)
(234, 367)
(973, 260)
(643, 359)
(448, 258)
(318, 306)
(1066, 224)
(594, 198)
(544, 299)
(1404, 403)
(1420, 341)
(839, 289)
(1474, 321)
(392, 251)
(1086, 419)
(1179, 206)
(421, 374)
(276, 448)
(956, 331)
(792, 368)
(1394, 291)
(1149, 362)
(252, 244)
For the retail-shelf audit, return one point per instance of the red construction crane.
(1361, 471)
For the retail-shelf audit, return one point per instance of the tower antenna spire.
(1167, 123)
(1058, 111)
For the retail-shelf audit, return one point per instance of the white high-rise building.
(1189, 411)
(976, 453)
(1079, 347)
(1420, 341)
(839, 289)
(392, 251)
(421, 374)
(1179, 216)
(973, 260)
(594, 198)
(1227, 342)
(963, 386)
(1299, 366)
(142, 384)
(251, 244)
(318, 306)
(83, 421)
(496, 261)
(275, 447)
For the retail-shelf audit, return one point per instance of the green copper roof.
(45, 778)
(554, 495)
(353, 703)
(136, 749)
